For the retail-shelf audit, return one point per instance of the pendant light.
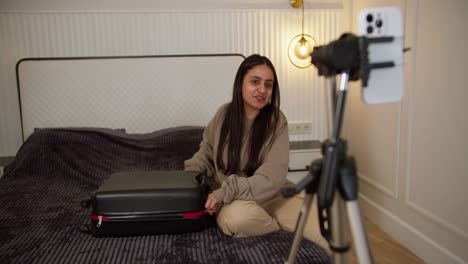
(301, 46)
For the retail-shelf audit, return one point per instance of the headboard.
(139, 93)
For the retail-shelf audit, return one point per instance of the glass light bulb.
(302, 49)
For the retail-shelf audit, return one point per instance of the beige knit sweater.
(267, 180)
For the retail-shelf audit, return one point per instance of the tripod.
(336, 171)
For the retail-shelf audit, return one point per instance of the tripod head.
(348, 53)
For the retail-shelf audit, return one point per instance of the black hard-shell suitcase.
(148, 202)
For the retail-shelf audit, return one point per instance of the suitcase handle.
(199, 179)
(204, 182)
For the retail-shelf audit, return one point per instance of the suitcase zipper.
(193, 214)
(99, 218)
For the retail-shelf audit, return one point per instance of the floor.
(385, 249)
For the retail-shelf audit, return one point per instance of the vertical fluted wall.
(268, 32)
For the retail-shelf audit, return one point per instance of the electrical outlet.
(299, 128)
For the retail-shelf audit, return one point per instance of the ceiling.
(38, 5)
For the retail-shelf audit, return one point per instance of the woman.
(245, 148)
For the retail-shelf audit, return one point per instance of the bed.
(84, 118)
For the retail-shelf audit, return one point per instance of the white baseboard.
(424, 247)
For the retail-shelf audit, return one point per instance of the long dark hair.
(263, 127)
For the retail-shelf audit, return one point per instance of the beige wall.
(413, 156)
(138, 5)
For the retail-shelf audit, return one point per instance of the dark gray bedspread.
(40, 194)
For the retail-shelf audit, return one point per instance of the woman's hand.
(211, 204)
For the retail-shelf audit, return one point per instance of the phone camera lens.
(370, 29)
(369, 18)
(379, 23)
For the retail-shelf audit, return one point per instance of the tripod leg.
(359, 235)
(298, 233)
(339, 240)
(348, 185)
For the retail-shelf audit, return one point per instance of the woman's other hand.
(211, 204)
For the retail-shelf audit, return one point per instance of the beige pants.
(247, 218)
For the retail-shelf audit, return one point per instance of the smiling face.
(257, 88)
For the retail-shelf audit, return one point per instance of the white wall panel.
(412, 155)
(438, 146)
(268, 32)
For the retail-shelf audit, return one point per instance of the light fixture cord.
(303, 18)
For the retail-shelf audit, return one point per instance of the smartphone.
(385, 85)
